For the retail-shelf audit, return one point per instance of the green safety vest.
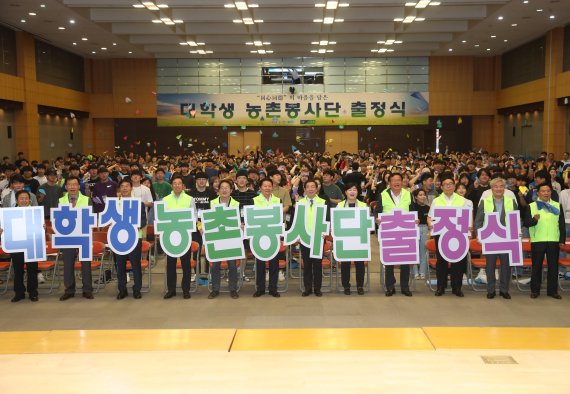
(182, 201)
(261, 201)
(388, 204)
(489, 205)
(316, 201)
(456, 201)
(344, 204)
(216, 201)
(82, 201)
(546, 230)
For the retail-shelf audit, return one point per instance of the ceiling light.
(331, 5)
(317, 20)
(539, 10)
(241, 5)
(435, 3)
(476, 45)
(525, 2)
(323, 42)
(43, 5)
(150, 5)
(505, 40)
(114, 44)
(409, 19)
(178, 21)
(31, 13)
(343, 5)
(372, 50)
(72, 21)
(328, 20)
(389, 50)
(23, 20)
(61, 28)
(493, 36)
(464, 41)
(422, 3)
(84, 39)
(156, 21)
(398, 19)
(74, 43)
(488, 49)
(130, 52)
(138, 5)
(339, 20)
(500, 18)
(410, 4)
(514, 24)
(382, 50)
(103, 48)
(93, 52)
(420, 19)
(552, 17)
(450, 49)
(162, 5)
(237, 21)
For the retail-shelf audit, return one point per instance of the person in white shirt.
(41, 177)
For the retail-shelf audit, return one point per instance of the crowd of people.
(537, 187)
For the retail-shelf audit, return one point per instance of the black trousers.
(537, 252)
(312, 270)
(121, 261)
(197, 237)
(391, 279)
(442, 270)
(171, 272)
(18, 264)
(273, 274)
(345, 273)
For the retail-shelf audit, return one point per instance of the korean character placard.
(350, 228)
(23, 231)
(124, 216)
(264, 227)
(496, 238)
(399, 235)
(73, 228)
(223, 239)
(299, 231)
(174, 227)
(452, 225)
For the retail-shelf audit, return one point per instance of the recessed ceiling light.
(114, 44)
(130, 51)
(23, 20)
(476, 45)
(552, 17)
(156, 21)
(138, 5)
(450, 49)
(525, 2)
(31, 13)
(42, 5)
(514, 24)
(420, 19)
(72, 21)
(493, 36)
(463, 41)
(398, 19)
(162, 5)
(505, 40)
(500, 18)
(74, 43)
(84, 39)
(539, 10)
(103, 48)
(488, 49)
(61, 28)
(93, 52)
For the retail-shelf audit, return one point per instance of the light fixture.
(500, 18)
(23, 20)
(31, 13)
(552, 17)
(248, 21)
(72, 21)
(505, 40)
(539, 10)
(114, 44)
(61, 28)
(488, 49)
(450, 49)
(493, 36)
(422, 3)
(93, 52)
(103, 48)
(525, 2)
(201, 52)
(464, 41)
(84, 39)
(241, 5)
(476, 45)
(331, 5)
(42, 5)
(130, 52)
(514, 25)
(74, 43)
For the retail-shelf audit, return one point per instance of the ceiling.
(454, 27)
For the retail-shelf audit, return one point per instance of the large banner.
(312, 109)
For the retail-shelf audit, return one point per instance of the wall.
(7, 145)
(56, 138)
(528, 133)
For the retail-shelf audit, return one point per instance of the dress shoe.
(318, 293)
(274, 294)
(390, 292)
(169, 294)
(186, 295)
(234, 294)
(407, 293)
(17, 298)
(258, 293)
(534, 295)
(360, 290)
(88, 295)
(122, 294)
(458, 292)
(440, 291)
(213, 295)
(137, 294)
(492, 295)
(347, 291)
(506, 296)
(306, 293)
(34, 298)
(66, 296)
(556, 296)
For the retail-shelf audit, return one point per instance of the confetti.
(369, 128)
(459, 120)
(341, 126)
(189, 145)
(138, 112)
(72, 115)
(153, 93)
(275, 135)
(193, 113)
(293, 148)
(214, 152)
(225, 145)
(247, 147)
(180, 142)
(243, 127)
(261, 132)
(148, 144)
(128, 100)
(116, 147)
(179, 136)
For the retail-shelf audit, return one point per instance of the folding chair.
(96, 264)
(352, 263)
(564, 262)
(412, 280)
(152, 238)
(327, 266)
(5, 272)
(527, 263)
(480, 262)
(432, 260)
(145, 266)
(224, 267)
(50, 267)
(193, 265)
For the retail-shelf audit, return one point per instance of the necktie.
(73, 202)
(311, 200)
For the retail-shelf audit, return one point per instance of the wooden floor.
(233, 340)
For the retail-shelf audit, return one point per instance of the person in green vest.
(391, 198)
(224, 198)
(76, 199)
(545, 221)
(266, 199)
(312, 267)
(448, 199)
(126, 191)
(352, 192)
(496, 202)
(178, 199)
